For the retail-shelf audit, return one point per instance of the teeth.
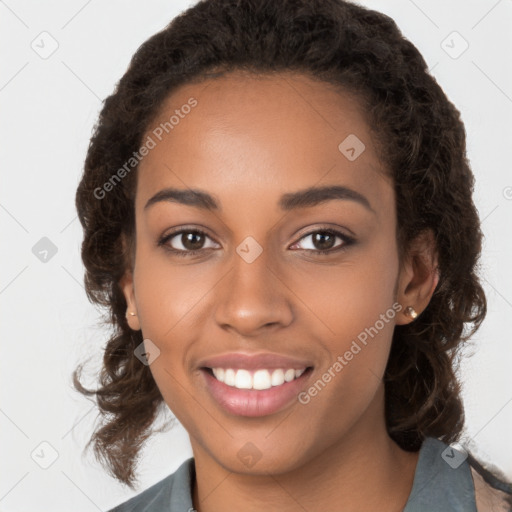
(219, 373)
(229, 377)
(260, 379)
(277, 377)
(243, 380)
(289, 375)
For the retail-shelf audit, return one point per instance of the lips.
(239, 384)
(262, 360)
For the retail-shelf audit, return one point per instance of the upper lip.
(255, 361)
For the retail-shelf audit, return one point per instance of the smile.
(259, 379)
(258, 392)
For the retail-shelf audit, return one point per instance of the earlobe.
(126, 284)
(418, 278)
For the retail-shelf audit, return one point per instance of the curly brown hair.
(421, 141)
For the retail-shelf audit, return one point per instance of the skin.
(248, 141)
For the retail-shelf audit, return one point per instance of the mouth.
(259, 379)
(255, 392)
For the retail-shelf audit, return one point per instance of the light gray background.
(48, 110)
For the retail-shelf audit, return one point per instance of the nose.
(253, 297)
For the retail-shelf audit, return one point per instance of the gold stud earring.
(131, 313)
(410, 311)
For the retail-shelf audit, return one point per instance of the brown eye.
(192, 240)
(323, 241)
(186, 241)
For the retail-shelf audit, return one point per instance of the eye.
(323, 241)
(188, 241)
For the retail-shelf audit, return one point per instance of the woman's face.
(258, 285)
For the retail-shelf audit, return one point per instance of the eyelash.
(348, 241)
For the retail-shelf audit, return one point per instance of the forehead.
(258, 136)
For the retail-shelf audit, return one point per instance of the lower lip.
(253, 402)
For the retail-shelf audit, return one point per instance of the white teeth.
(289, 375)
(243, 380)
(229, 377)
(219, 373)
(260, 379)
(277, 377)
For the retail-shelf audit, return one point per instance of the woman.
(277, 213)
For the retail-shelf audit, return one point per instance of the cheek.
(354, 320)
(169, 295)
(342, 300)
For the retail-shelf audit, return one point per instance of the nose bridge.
(253, 295)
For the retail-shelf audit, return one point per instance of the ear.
(418, 276)
(127, 286)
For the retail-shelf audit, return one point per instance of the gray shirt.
(442, 482)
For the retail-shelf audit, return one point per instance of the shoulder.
(448, 478)
(172, 493)
(492, 492)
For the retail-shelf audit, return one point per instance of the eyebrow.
(291, 201)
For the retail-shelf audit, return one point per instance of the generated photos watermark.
(150, 143)
(304, 397)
